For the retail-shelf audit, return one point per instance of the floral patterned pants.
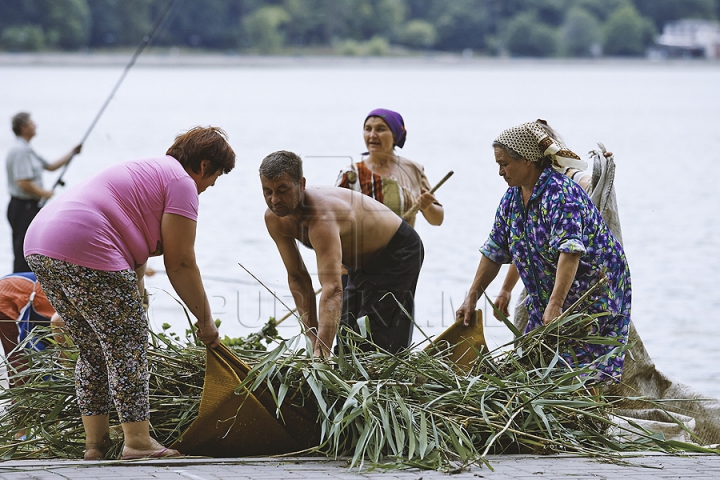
(104, 316)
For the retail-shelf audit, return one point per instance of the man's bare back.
(345, 228)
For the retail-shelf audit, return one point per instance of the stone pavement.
(649, 466)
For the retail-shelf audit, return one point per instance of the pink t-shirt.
(111, 222)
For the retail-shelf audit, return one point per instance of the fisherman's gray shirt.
(23, 164)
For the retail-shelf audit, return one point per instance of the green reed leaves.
(413, 408)
(410, 409)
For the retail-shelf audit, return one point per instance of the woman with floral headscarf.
(397, 182)
(548, 227)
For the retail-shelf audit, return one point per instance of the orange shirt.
(15, 293)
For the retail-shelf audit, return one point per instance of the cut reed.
(410, 409)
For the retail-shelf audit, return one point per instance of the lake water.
(662, 121)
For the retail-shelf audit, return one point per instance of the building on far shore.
(689, 38)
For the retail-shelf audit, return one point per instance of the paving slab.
(648, 466)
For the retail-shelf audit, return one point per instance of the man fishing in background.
(24, 175)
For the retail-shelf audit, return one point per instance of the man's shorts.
(384, 290)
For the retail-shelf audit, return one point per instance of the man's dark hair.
(203, 143)
(282, 161)
(19, 120)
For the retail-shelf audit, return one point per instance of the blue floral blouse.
(561, 218)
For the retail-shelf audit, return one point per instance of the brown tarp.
(243, 424)
(468, 342)
(246, 424)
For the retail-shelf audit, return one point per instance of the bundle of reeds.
(414, 408)
(407, 409)
(44, 403)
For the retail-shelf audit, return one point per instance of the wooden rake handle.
(416, 207)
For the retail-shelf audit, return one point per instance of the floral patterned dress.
(561, 218)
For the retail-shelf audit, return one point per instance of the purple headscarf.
(394, 121)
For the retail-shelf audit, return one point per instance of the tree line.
(536, 28)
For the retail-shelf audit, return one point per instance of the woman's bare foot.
(97, 451)
(93, 454)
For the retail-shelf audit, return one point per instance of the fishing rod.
(144, 43)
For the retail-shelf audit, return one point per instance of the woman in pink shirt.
(89, 249)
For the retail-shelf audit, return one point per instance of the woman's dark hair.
(203, 143)
(543, 163)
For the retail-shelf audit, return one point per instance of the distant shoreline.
(184, 59)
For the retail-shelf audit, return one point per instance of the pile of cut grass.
(413, 408)
(416, 409)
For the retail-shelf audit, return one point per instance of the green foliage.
(526, 36)
(44, 400)
(418, 34)
(349, 48)
(627, 33)
(362, 20)
(412, 408)
(67, 23)
(18, 13)
(264, 27)
(24, 38)
(464, 24)
(580, 32)
(551, 12)
(119, 23)
(254, 342)
(268, 26)
(212, 24)
(46, 403)
(375, 47)
(601, 9)
(664, 11)
(308, 26)
(388, 17)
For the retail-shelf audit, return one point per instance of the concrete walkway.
(647, 466)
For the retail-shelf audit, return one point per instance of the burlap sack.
(468, 342)
(245, 424)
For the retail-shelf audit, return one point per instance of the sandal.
(164, 453)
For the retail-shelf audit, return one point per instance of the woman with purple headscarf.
(396, 181)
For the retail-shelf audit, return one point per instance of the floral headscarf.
(532, 142)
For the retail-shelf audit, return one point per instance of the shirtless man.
(344, 228)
